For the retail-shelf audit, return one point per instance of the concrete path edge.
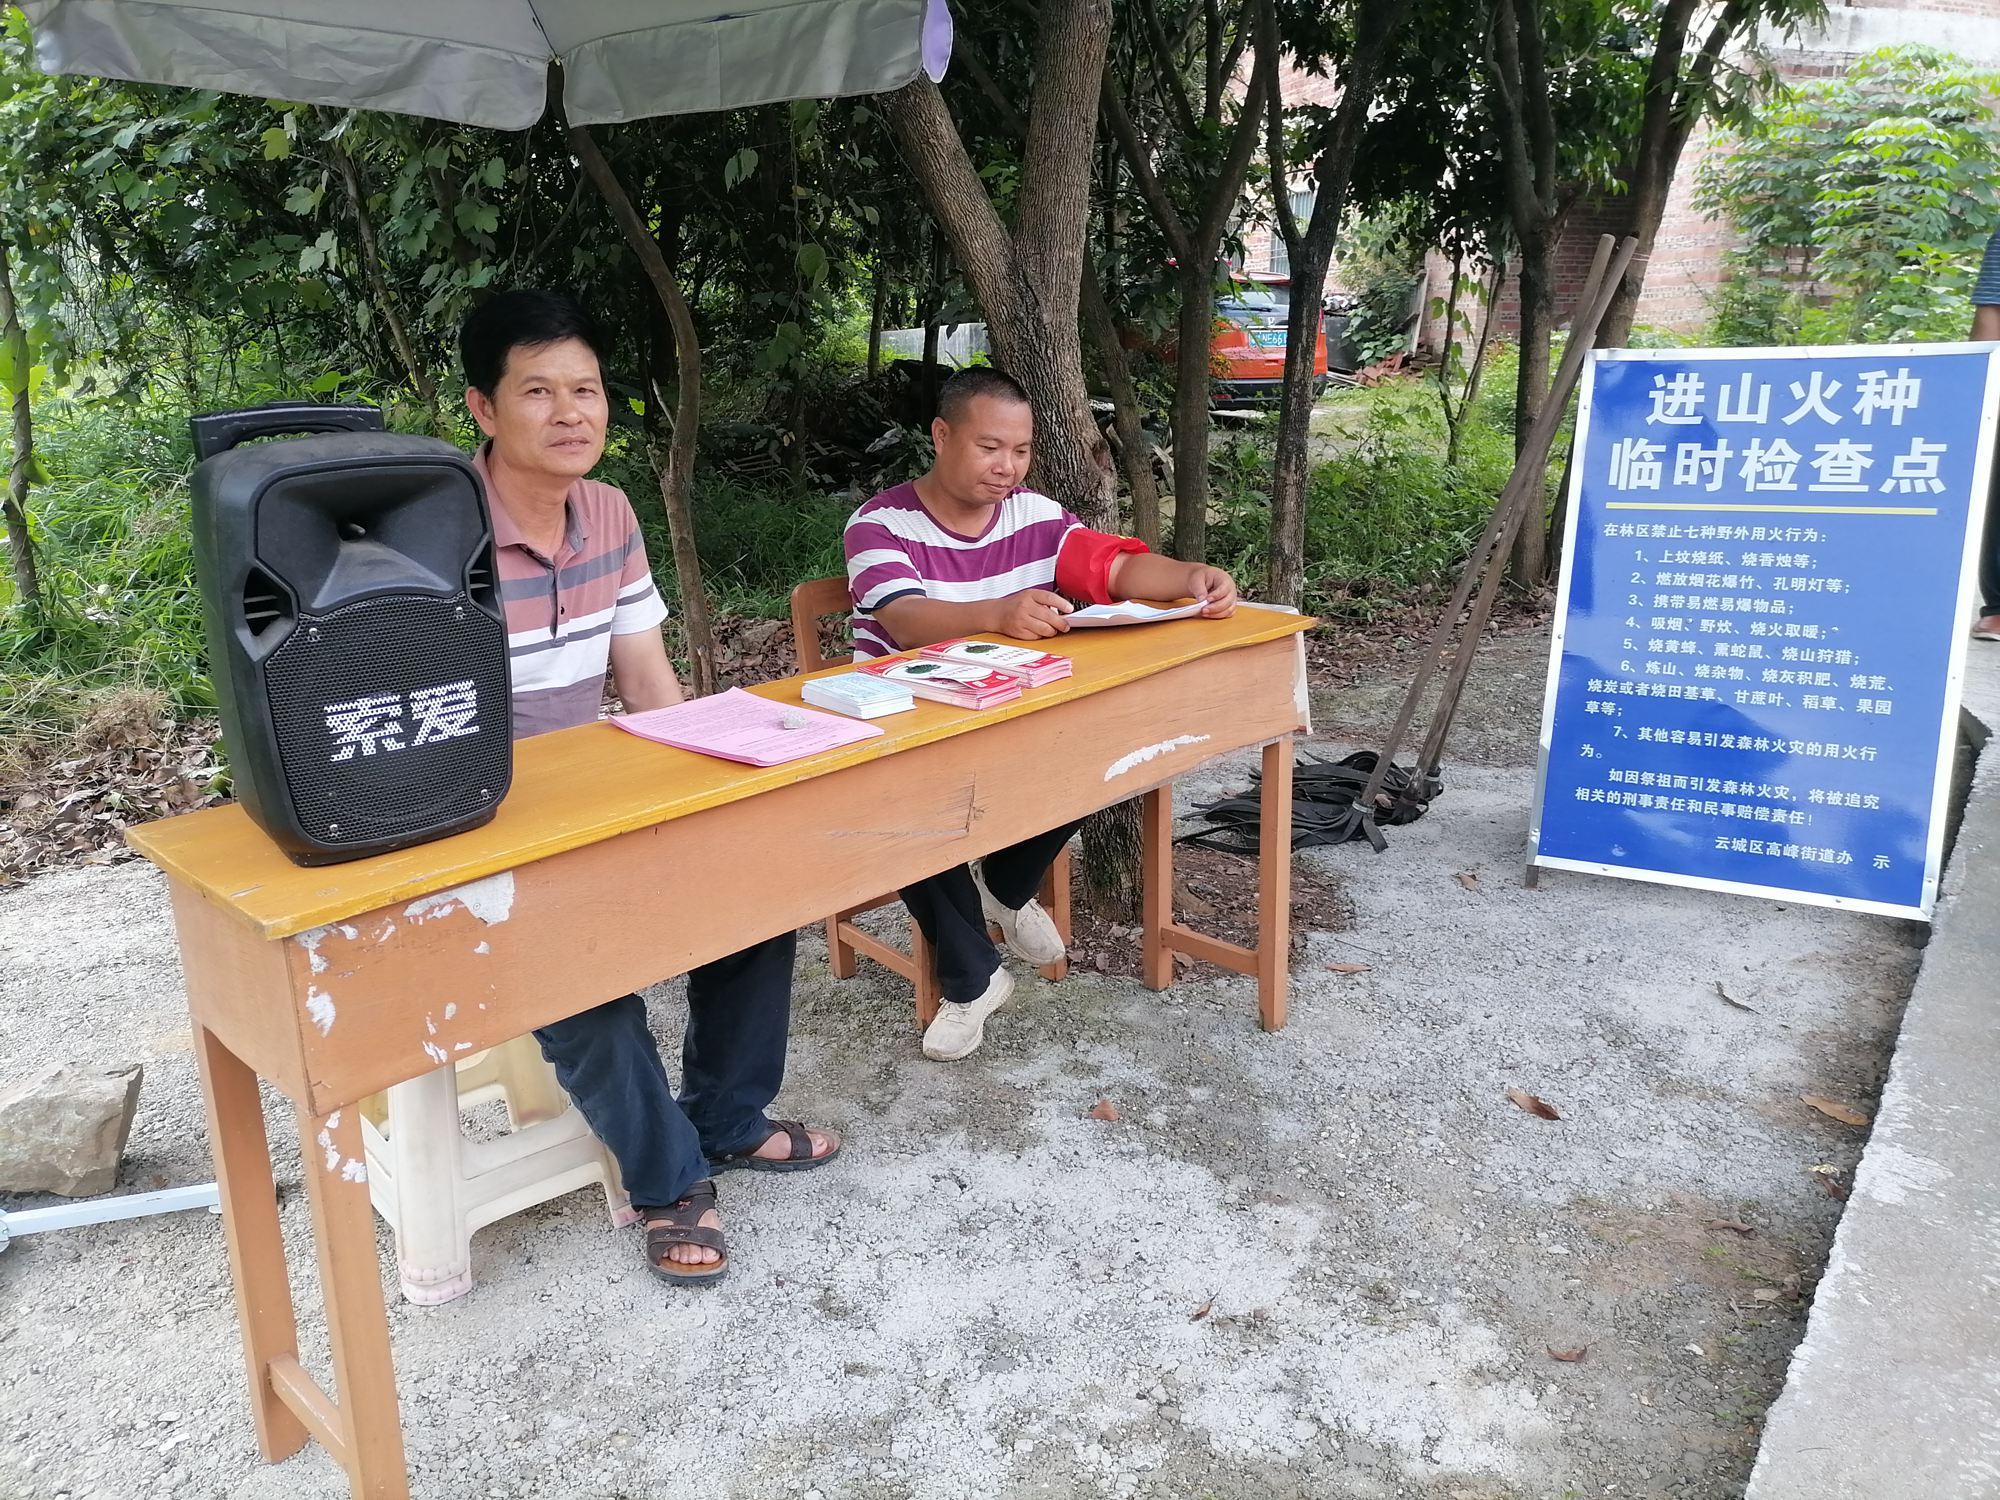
(1894, 1393)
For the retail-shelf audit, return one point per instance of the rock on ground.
(63, 1129)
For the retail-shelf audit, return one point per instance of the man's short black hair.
(962, 389)
(525, 318)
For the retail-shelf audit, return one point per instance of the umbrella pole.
(677, 476)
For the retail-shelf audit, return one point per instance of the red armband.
(1083, 563)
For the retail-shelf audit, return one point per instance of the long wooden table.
(614, 863)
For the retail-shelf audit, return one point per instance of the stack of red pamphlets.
(942, 681)
(1032, 667)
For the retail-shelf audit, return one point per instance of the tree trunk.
(1029, 284)
(378, 287)
(1678, 93)
(1528, 564)
(1196, 246)
(1194, 363)
(876, 311)
(1032, 320)
(933, 305)
(1643, 223)
(1309, 255)
(1475, 374)
(1135, 447)
(20, 542)
(676, 471)
(1284, 564)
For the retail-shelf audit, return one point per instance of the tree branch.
(1212, 49)
(1239, 38)
(1701, 78)
(936, 155)
(1140, 161)
(964, 52)
(1503, 61)
(1227, 187)
(1274, 147)
(1534, 96)
(1056, 166)
(1167, 70)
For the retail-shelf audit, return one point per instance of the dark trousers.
(1989, 551)
(946, 908)
(732, 1063)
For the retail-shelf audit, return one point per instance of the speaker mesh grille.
(391, 716)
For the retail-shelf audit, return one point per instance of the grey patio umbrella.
(485, 62)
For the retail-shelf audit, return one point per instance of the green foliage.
(1864, 200)
(1381, 264)
(1386, 516)
(117, 574)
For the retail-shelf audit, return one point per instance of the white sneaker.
(1030, 932)
(960, 1027)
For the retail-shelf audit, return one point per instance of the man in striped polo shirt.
(580, 599)
(965, 550)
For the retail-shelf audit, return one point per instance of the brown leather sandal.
(680, 1224)
(797, 1158)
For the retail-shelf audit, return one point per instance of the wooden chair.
(845, 942)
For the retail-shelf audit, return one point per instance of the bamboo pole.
(1485, 565)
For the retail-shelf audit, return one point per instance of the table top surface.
(579, 786)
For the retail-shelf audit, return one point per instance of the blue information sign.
(1768, 574)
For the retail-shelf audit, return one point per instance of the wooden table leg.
(1156, 875)
(1274, 883)
(350, 1279)
(264, 1313)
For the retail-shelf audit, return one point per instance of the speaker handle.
(218, 431)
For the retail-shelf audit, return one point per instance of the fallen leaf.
(1833, 1109)
(1732, 1226)
(1203, 1311)
(1729, 999)
(1767, 1294)
(1569, 1356)
(1540, 1108)
(1103, 1109)
(1468, 878)
(1347, 968)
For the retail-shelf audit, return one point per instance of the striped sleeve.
(1986, 291)
(879, 568)
(639, 605)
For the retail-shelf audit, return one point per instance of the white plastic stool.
(433, 1187)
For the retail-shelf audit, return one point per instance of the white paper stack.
(857, 695)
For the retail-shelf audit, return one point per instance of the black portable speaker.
(355, 631)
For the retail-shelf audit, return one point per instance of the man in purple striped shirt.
(580, 599)
(965, 550)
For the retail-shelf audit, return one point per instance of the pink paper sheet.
(743, 727)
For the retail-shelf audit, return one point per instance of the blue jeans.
(946, 908)
(732, 1063)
